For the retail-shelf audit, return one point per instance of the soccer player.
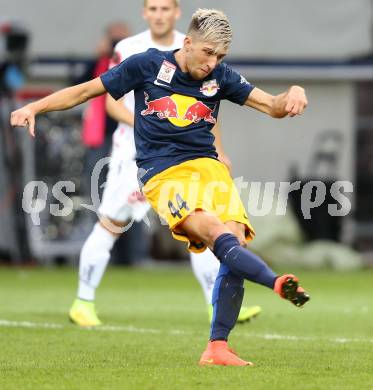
(177, 96)
(119, 207)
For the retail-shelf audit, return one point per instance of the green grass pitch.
(156, 328)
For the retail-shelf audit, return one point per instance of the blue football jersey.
(174, 113)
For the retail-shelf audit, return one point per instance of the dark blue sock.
(226, 300)
(242, 262)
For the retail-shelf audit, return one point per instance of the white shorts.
(122, 200)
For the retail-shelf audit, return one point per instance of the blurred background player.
(122, 202)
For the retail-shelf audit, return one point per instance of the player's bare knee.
(216, 229)
(204, 226)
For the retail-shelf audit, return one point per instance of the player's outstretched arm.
(290, 103)
(58, 101)
(118, 111)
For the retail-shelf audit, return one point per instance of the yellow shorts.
(200, 184)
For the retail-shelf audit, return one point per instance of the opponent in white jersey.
(122, 202)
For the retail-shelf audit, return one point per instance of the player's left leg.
(206, 267)
(228, 284)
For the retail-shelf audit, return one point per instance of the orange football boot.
(288, 288)
(218, 353)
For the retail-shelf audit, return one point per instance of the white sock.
(94, 258)
(205, 267)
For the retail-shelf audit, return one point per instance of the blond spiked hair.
(211, 25)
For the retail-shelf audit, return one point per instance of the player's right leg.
(205, 268)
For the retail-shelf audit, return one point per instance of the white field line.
(177, 332)
(28, 324)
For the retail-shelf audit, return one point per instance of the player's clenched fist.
(296, 101)
(24, 117)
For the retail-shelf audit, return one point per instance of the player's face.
(202, 57)
(161, 16)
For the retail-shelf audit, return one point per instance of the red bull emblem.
(164, 107)
(168, 107)
(199, 111)
(210, 88)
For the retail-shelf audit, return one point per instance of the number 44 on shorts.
(181, 204)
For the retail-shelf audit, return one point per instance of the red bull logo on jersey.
(164, 107)
(209, 88)
(180, 110)
(198, 112)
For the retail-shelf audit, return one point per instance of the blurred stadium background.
(325, 46)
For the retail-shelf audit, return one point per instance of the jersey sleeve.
(125, 77)
(235, 88)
